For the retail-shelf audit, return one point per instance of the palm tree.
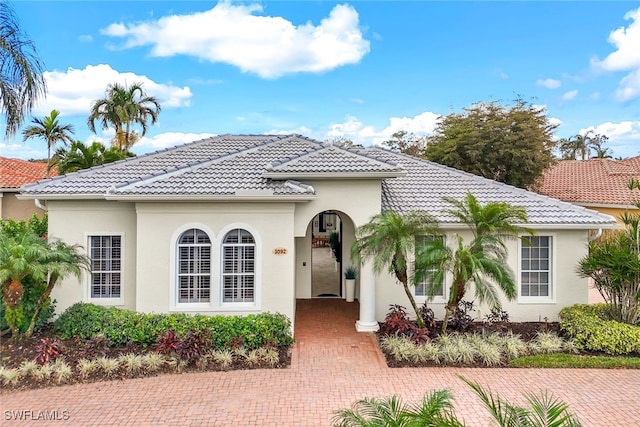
(61, 261)
(482, 262)
(22, 82)
(574, 146)
(20, 257)
(80, 156)
(122, 108)
(51, 131)
(543, 411)
(28, 255)
(436, 409)
(389, 239)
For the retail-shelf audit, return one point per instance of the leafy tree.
(407, 143)
(79, 156)
(388, 240)
(51, 131)
(123, 107)
(29, 259)
(613, 263)
(22, 82)
(511, 144)
(481, 262)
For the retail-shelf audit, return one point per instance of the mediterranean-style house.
(14, 173)
(231, 224)
(598, 184)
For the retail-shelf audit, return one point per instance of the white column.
(367, 321)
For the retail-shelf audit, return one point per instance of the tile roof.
(596, 181)
(235, 165)
(332, 159)
(14, 173)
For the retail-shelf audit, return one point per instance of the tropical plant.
(481, 262)
(613, 263)
(22, 82)
(350, 272)
(80, 156)
(580, 146)
(49, 129)
(388, 240)
(31, 256)
(544, 410)
(436, 409)
(123, 107)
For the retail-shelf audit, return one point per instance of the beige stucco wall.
(355, 201)
(614, 212)
(11, 207)
(568, 287)
(160, 224)
(74, 222)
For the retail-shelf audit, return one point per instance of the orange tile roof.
(596, 181)
(15, 172)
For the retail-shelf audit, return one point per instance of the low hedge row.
(590, 328)
(119, 326)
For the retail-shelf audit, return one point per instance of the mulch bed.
(526, 330)
(13, 353)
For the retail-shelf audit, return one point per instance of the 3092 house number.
(280, 251)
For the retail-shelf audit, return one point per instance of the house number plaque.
(280, 251)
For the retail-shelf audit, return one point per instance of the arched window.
(238, 266)
(194, 267)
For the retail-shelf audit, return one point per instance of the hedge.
(85, 321)
(592, 330)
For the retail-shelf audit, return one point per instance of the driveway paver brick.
(332, 365)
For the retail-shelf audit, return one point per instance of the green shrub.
(32, 293)
(592, 330)
(84, 321)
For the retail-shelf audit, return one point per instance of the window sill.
(106, 301)
(536, 300)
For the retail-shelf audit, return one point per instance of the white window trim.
(551, 299)
(438, 299)
(87, 288)
(257, 292)
(174, 304)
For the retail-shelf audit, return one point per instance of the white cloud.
(358, 132)
(269, 46)
(85, 38)
(626, 57)
(167, 139)
(624, 137)
(570, 95)
(626, 41)
(72, 91)
(549, 83)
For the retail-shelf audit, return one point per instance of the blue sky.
(360, 70)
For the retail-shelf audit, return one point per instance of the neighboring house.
(599, 184)
(14, 173)
(225, 224)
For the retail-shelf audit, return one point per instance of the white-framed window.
(193, 267)
(420, 289)
(238, 267)
(105, 278)
(536, 268)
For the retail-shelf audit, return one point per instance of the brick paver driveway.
(332, 365)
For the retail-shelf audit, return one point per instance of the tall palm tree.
(121, 108)
(389, 239)
(481, 262)
(51, 131)
(574, 147)
(22, 81)
(80, 156)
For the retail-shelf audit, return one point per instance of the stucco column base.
(367, 326)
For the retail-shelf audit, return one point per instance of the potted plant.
(350, 274)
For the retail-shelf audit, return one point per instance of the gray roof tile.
(237, 164)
